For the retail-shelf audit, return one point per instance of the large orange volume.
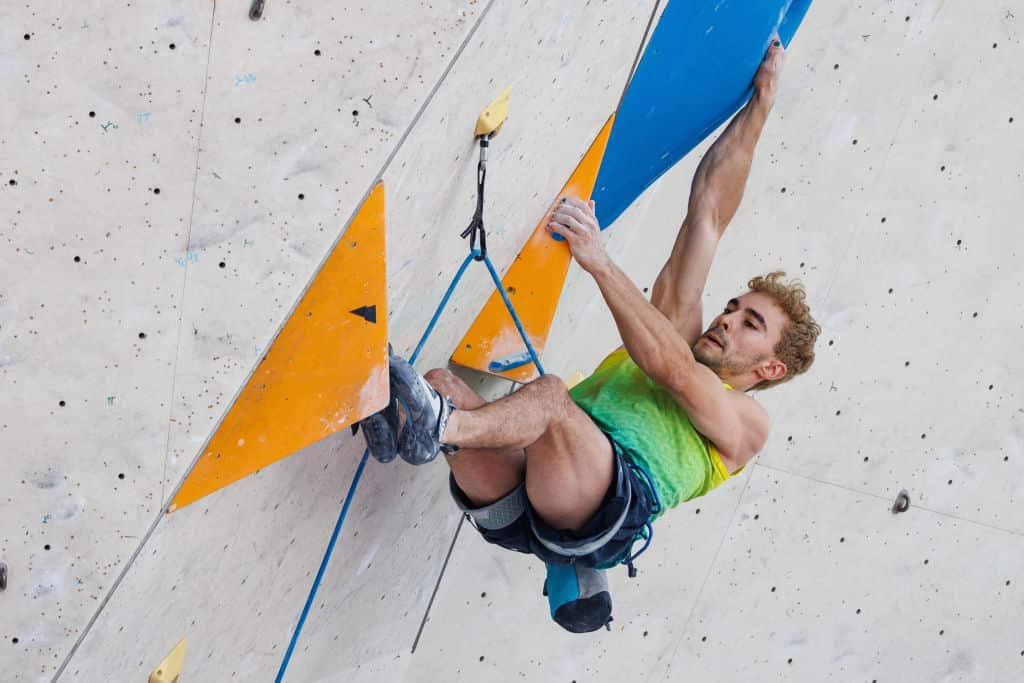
(533, 283)
(326, 369)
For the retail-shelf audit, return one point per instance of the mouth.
(713, 341)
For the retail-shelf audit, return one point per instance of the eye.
(751, 325)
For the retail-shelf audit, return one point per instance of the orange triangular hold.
(533, 283)
(326, 369)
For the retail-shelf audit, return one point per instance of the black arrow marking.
(368, 313)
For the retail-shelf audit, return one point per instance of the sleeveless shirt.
(653, 428)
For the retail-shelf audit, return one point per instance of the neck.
(743, 383)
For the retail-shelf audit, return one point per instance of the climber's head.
(767, 336)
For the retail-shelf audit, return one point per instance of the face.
(748, 328)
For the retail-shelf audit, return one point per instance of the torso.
(730, 463)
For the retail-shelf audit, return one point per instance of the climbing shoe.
(381, 432)
(381, 429)
(578, 598)
(426, 414)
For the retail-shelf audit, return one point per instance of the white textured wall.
(795, 569)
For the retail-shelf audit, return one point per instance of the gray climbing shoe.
(381, 432)
(382, 428)
(426, 414)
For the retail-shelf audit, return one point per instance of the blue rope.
(508, 305)
(444, 302)
(323, 566)
(362, 463)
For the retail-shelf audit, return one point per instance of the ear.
(772, 370)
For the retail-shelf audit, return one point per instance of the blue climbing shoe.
(426, 414)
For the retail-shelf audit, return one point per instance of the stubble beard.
(720, 364)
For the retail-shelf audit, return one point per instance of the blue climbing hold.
(696, 72)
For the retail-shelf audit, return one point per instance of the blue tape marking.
(511, 362)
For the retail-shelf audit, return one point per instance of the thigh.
(569, 470)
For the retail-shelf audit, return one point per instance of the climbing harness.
(647, 533)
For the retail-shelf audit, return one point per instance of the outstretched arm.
(714, 198)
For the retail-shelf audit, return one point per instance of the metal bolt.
(902, 502)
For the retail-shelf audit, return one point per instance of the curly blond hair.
(796, 347)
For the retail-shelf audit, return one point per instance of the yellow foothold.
(494, 115)
(169, 670)
(574, 379)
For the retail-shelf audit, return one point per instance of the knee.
(439, 377)
(444, 381)
(552, 383)
(447, 383)
(555, 391)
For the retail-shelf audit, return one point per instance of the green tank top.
(649, 424)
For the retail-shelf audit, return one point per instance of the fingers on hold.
(575, 211)
(574, 225)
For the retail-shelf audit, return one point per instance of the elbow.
(705, 212)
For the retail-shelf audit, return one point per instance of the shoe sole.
(415, 445)
(381, 433)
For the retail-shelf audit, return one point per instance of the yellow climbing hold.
(494, 115)
(169, 670)
(574, 379)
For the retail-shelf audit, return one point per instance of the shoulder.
(756, 424)
(736, 423)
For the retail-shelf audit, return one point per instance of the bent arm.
(734, 422)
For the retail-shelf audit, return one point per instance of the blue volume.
(696, 72)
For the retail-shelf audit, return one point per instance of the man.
(577, 474)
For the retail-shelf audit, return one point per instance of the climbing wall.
(172, 180)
